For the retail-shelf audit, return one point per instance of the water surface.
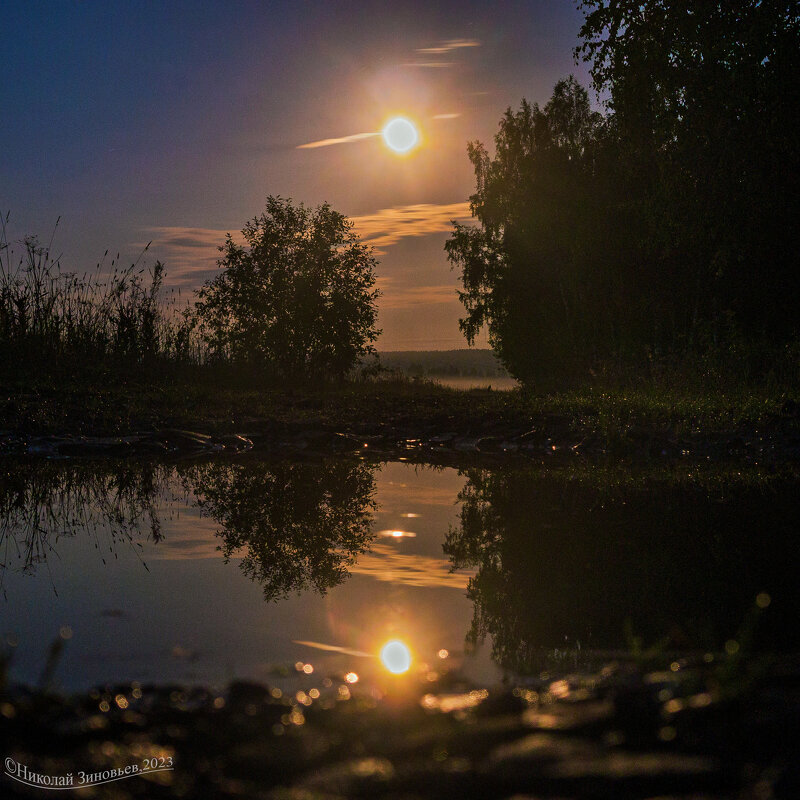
(497, 383)
(208, 571)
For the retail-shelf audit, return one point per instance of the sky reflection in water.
(173, 610)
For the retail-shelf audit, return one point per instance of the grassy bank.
(104, 400)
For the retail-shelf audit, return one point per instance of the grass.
(109, 399)
(112, 313)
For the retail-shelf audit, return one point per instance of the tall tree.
(524, 268)
(704, 99)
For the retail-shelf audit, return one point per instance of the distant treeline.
(450, 363)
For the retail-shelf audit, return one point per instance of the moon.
(400, 135)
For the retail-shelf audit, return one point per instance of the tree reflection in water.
(296, 525)
(565, 559)
(561, 557)
(43, 501)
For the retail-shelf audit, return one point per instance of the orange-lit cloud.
(333, 648)
(397, 297)
(188, 542)
(190, 254)
(384, 563)
(353, 137)
(448, 46)
(440, 489)
(389, 225)
(446, 116)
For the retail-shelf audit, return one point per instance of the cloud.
(446, 116)
(195, 541)
(448, 46)
(394, 297)
(333, 648)
(385, 563)
(394, 495)
(353, 137)
(389, 225)
(190, 254)
(429, 64)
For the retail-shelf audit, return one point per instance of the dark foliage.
(118, 315)
(528, 269)
(574, 563)
(295, 526)
(667, 225)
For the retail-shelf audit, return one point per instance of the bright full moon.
(396, 657)
(400, 135)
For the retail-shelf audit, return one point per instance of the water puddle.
(293, 573)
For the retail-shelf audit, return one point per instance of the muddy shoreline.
(549, 440)
(706, 728)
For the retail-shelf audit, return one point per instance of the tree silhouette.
(667, 225)
(705, 116)
(528, 267)
(295, 525)
(298, 298)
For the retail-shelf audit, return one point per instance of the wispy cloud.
(389, 225)
(191, 253)
(448, 46)
(409, 297)
(429, 64)
(333, 648)
(394, 495)
(353, 137)
(446, 116)
(188, 542)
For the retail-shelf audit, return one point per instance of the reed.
(113, 312)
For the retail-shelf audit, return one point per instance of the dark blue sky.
(172, 121)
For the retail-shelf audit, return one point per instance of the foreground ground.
(704, 728)
(667, 421)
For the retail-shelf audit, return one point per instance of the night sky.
(173, 121)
